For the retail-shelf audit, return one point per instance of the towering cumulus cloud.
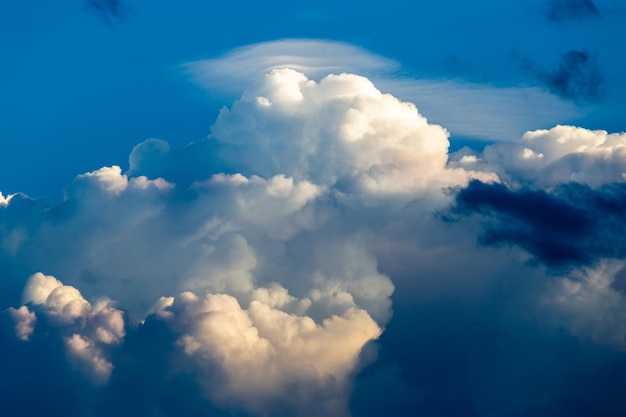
(252, 247)
(251, 273)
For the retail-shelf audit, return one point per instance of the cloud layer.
(253, 273)
(467, 109)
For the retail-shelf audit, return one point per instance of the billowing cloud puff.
(24, 320)
(545, 158)
(92, 328)
(349, 134)
(262, 355)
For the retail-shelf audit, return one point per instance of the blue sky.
(340, 208)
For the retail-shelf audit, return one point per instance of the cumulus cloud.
(349, 132)
(91, 327)
(256, 268)
(257, 356)
(279, 290)
(24, 320)
(544, 158)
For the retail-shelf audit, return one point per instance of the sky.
(340, 208)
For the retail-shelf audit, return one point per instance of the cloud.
(24, 320)
(577, 77)
(91, 328)
(278, 291)
(249, 357)
(558, 10)
(350, 132)
(587, 303)
(570, 225)
(245, 65)
(466, 109)
(545, 158)
(560, 196)
(253, 272)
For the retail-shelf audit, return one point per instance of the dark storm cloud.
(455, 360)
(557, 10)
(576, 78)
(572, 225)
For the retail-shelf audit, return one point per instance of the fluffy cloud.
(259, 356)
(348, 134)
(24, 320)
(255, 267)
(92, 328)
(544, 158)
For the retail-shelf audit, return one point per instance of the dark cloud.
(558, 10)
(469, 359)
(576, 78)
(147, 381)
(571, 225)
(107, 9)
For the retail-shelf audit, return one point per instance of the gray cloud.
(576, 78)
(571, 225)
(558, 10)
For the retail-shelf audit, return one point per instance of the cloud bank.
(253, 273)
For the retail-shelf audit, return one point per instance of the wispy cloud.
(466, 109)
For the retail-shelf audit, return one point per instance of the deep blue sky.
(82, 87)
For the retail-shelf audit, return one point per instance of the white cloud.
(347, 132)
(5, 200)
(562, 154)
(466, 109)
(250, 356)
(91, 327)
(239, 68)
(479, 111)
